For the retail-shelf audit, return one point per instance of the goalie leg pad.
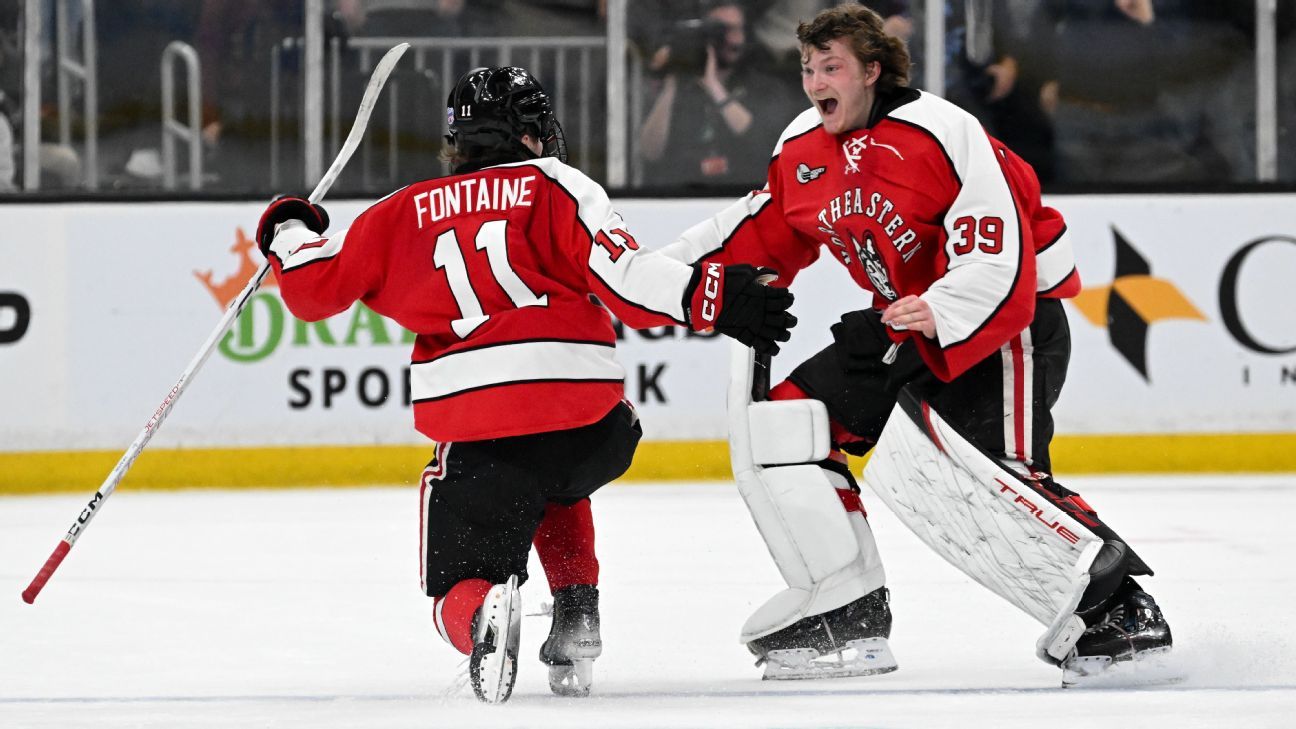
(814, 542)
(983, 518)
(824, 553)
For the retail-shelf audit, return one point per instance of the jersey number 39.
(984, 233)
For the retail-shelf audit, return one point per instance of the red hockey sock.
(453, 612)
(565, 544)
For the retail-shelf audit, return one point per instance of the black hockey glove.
(285, 208)
(753, 313)
(862, 340)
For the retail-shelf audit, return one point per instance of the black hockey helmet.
(489, 110)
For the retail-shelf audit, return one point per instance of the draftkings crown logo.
(1131, 303)
(225, 290)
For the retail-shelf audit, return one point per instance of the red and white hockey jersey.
(493, 271)
(921, 202)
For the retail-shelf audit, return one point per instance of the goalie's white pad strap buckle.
(984, 519)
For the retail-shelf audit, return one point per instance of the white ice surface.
(302, 609)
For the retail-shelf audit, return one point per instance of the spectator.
(1152, 93)
(991, 67)
(703, 127)
(239, 35)
(59, 164)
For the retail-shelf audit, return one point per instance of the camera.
(688, 42)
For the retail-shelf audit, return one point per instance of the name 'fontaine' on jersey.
(920, 201)
(493, 271)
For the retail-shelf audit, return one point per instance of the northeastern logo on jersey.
(854, 149)
(805, 174)
(873, 266)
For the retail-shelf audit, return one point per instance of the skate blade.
(496, 671)
(573, 680)
(863, 657)
(1150, 667)
(496, 676)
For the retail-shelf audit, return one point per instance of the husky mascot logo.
(877, 273)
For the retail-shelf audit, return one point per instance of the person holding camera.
(704, 127)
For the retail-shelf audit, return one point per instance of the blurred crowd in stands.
(1091, 92)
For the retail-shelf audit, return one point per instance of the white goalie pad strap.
(984, 519)
(788, 431)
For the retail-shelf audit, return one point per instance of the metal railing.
(587, 61)
(72, 71)
(173, 130)
(1266, 90)
(69, 71)
(440, 61)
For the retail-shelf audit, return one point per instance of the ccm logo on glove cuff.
(711, 286)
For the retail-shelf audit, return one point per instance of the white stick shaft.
(376, 82)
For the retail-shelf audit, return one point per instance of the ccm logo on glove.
(710, 292)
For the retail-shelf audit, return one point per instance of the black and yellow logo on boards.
(1132, 303)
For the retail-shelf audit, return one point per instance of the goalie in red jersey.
(494, 268)
(944, 226)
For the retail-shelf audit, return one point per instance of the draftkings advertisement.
(1185, 325)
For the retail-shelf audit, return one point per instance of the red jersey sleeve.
(643, 288)
(320, 276)
(984, 290)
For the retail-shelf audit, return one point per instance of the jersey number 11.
(448, 257)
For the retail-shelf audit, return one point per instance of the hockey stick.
(376, 82)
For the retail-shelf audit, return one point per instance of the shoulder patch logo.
(805, 174)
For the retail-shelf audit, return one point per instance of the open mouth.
(827, 106)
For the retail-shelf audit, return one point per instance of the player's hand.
(752, 312)
(911, 312)
(284, 208)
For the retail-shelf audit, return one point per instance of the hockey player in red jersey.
(495, 269)
(945, 227)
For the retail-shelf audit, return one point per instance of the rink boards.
(1184, 349)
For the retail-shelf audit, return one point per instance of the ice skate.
(573, 641)
(848, 641)
(1128, 644)
(492, 667)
